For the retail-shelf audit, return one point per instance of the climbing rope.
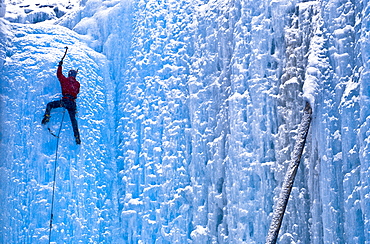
(55, 170)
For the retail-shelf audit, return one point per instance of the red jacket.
(70, 86)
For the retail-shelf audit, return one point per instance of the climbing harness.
(55, 170)
(50, 131)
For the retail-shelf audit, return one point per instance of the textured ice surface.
(188, 115)
(32, 11)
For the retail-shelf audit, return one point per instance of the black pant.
(70, 106)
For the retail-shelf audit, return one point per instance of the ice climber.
(70, 89)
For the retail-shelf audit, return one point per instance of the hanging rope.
(55, 170)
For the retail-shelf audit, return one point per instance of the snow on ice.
(188, 114)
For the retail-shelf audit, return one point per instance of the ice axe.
(65, 53)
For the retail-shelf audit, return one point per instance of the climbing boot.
(45, 119)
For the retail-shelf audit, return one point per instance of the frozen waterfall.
(188, 115)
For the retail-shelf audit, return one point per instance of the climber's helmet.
(72, 73)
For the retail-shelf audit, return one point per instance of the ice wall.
(2, 33)
(362, 171)
(337, 166)
(200, 102)
(248, 69)
(2, 8)
(85, 208)
(31, 12)
(222, 62)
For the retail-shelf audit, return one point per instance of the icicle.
(289, 177)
